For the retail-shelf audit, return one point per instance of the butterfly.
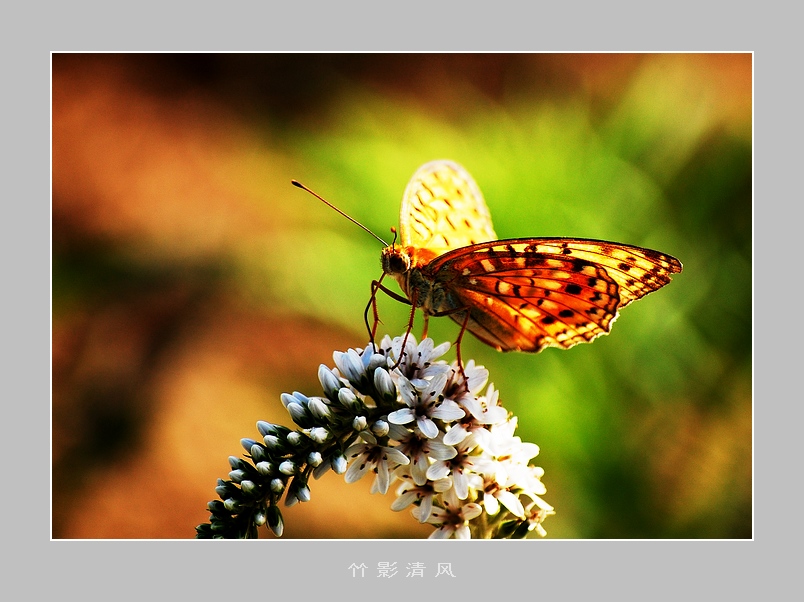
(519, 294)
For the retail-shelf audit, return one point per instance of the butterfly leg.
(376, 285)
(372, 304)
(458, 350)
(407, 331)
(459, 339)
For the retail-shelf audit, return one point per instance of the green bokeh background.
(182, 253)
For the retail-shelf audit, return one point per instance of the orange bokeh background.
(175, 323)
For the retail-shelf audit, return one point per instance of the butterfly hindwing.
(443, 209)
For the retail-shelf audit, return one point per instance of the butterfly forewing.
(443, 209)
(637, 271)
(527, 294)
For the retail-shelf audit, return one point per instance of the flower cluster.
(397, 411)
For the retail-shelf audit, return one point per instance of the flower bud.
(295, 439)
(380, 428)
(350, 365)
(330, 383)
(275, 522)
(348, 399)
(257, 452)
(339, 463)
(232, 505)
(319, 409)
(287, 467)
(303, 493)
(298, 413)
(247, 443)
(264, 468)
(266, 428)
(318, 434)
(384, 385)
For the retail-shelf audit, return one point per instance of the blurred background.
(192, 284)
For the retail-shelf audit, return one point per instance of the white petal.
(448, 411)
(436, 385)
(427, 427)
(477, 378)
(455, 435)
(407, 391)
(419, 470)
(425, 348)
(382, 480)
(525, 451)
(402, 416)
(404, 500)
(494, 415)
(439, 451)
(350, 365)
(437, 471)
(420, 384)
(491, 504)
(356, 471)
(442, 533)
(355, 450)
(470, 511)
(396, 456)
(442, 485)
(510, 501)
(425, 508)
(439, 350)
(461, 483)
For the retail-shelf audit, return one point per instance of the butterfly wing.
(443, 209)
(528, 294)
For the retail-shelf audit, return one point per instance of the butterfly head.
(395, 260)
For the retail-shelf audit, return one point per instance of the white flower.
(452, 523)
(495, 495)
(381, 459)
(481, 411)
(536, 511)
(460, 469)
(475, 379)
(409, 492)
(425, 401)
(422, 451)
(418, 361)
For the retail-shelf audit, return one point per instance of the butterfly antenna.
(298, 184)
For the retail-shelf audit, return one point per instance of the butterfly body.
(520, 294)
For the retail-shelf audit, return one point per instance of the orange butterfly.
(521, 294)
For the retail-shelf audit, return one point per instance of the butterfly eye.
(395, 260)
